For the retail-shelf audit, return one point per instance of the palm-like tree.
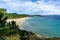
(2, 20)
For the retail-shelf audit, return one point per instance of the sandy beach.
(19, 21)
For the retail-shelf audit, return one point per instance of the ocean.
(47, 26)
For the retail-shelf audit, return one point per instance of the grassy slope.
(29, 36)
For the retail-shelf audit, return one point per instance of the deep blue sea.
(48, 26)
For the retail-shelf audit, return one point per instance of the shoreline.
(19, 21)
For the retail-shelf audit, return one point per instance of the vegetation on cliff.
(10, 31)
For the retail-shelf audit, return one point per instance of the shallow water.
(45, 26)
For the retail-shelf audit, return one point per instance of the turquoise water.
(44, 26)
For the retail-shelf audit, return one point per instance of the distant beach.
(19, 21)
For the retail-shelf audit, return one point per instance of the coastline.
(19, 21)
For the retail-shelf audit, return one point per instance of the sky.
(39, 7)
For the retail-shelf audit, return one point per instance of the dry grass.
(13, 37)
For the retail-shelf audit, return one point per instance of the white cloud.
(38, 7)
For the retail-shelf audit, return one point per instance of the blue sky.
(41, 7)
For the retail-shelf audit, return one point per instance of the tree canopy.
(2, 10)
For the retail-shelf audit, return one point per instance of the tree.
(2, 20)
(2, 10)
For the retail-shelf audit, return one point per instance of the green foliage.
(2, 10)
(12, 15)
(15, 15)
(2, 20)
(13, 27)
(6, 28)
